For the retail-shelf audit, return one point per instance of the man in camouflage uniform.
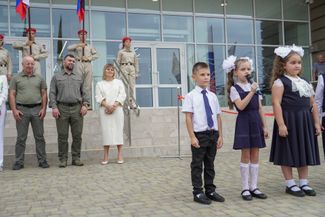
(32, 48)
(5, 60)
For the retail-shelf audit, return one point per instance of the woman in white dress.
(110, 94)
(3, 98)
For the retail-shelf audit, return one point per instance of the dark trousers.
(204, 155)
(69, 116)
(30, 115)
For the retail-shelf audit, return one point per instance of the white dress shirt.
(194, 103)
(234, 95)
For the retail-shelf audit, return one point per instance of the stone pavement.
(149, 187)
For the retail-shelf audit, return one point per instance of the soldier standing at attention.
(84, 55)
(32, 48)
(128, 62)
(5, 60)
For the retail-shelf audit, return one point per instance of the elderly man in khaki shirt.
(5, 60)
(32, 48)
(128, 62)
(84, 54)
(28, 101)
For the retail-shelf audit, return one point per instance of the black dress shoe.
(215, 196)
(44, 164)
(246, 197)
(299, 193)
(77, 163)
(63, 164)
(309, 192)
(259, 195)
(17, 166)
(202, 198)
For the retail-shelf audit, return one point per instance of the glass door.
(161, 72)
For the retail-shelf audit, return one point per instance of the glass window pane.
(65, 2)
(296, 33)
(306, 65)
(209, 30)
(145, 65)
(144, 97)
(295, 10)
(109, 4)
(145, 27)
(190, 62)
(240, 31)
(208, 6)
(268, 32)
(108, 25)
(167, 96)
(14, 53)
(242, 51)
(66, 22)
(169, 66)
(4, 19)
(214, 56)
(144, 4)
(268, 9)
(59, 51)
(107, 54)
(179, 5)
(265, 57)
(32, 1)
(177, 28)
(239, 7)
(40, 20)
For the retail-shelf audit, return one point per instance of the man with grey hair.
(28, 101)
(319, 66)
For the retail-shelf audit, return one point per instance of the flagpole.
(83, 37)
(29, 31)
(83, 27)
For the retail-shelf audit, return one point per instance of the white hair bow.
(284, 51)
(229, 63)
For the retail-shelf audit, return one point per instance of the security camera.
(309, 1)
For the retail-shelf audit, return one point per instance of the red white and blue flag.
(21, 7)
(81, 9)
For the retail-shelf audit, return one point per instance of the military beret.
(30, 30)
(82, 31)
(126, 38)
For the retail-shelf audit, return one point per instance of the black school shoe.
(43, 164)
(260, 195)
(215, 196)
(310, 192)
(246, 197)
(295, 193)
(202, 198)
(17, 166)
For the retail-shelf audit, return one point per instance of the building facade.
(169, 37)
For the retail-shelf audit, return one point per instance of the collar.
(26, 75)
(199, 89)
(65, 73)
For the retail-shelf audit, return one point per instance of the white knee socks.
(244, 172)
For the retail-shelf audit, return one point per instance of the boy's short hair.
(199, 65)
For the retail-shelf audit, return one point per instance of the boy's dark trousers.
(205, 154)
